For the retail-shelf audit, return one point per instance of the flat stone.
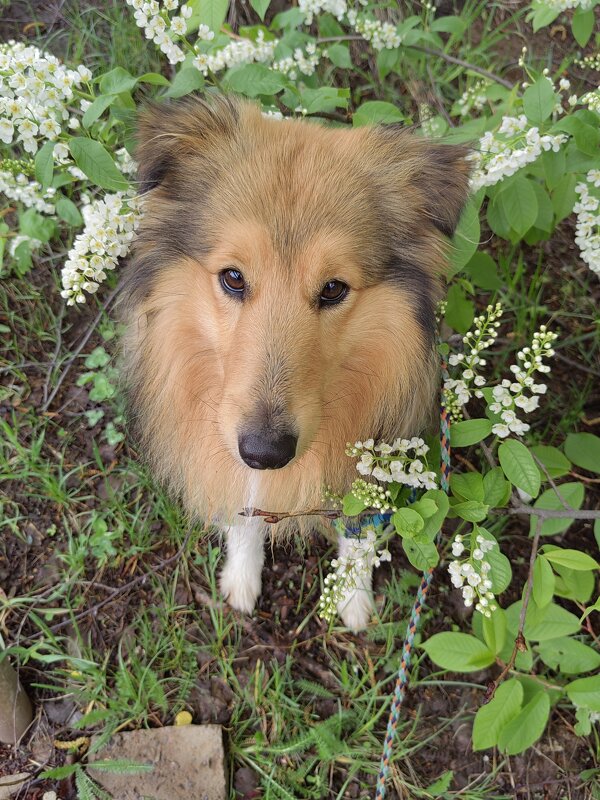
(10, 784)
(188, 761)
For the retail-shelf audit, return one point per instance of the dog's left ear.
(444, 177)
(435, 174)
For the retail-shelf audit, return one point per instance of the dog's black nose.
(268, 450)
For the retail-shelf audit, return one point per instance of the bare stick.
(46, 405)
(520, 643)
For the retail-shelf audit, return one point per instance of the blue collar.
(353, 527)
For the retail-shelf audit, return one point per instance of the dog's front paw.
(240, 590)
(356, 609)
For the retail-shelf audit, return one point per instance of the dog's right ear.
(167, 133)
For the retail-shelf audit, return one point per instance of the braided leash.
(403, 671)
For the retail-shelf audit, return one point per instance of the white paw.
(240, 589)
(356, 610)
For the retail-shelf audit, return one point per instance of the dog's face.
(281, 298)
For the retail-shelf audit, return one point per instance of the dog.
(280, 303)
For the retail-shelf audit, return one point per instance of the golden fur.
(292, 205)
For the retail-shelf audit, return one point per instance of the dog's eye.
(333, 292)
(233, 282)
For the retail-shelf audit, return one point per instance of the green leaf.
(470, 431)
(376, 112)
(572, 559)
(584, 450)
(426, 507)
(407, 522)
(44, 164)
(352, 506)
(585, 692)
(501, 570)
(213, 13)
(459, 310)
(421, 553)
(543, 581)
(154, 78)
(452, 24)
(93, 159)
(527, 727)
(68, 211)
(482, 271)
(572, 493)
(544, 15)
(519, 467)
(470, 510)
(254, 79)
(493, 717)
(552, 458)
(260, 6)
(459, 652)
(434, 522)
(539, 101)
(116, 81)
(582, 25)
(466, 238)
(97, 358)
(548, 622)
(574, 585)
(564, 197)
(187, 80)
(97, 108)
(467, 485)
(518, 201)
(339, 55)
(594, 607)
(496, 489)
(494, 630)
(36, 225)
(324, 99)
(568, 655)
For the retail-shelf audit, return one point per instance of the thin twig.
(272, 517)
(550, 513)
(119, 590)
(55, 353)
(105, 306)
(520, 643)
(430, 52)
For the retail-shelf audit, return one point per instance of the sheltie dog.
(280, 303)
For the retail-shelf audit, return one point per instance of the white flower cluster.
(483, 334)
(351, 571)
(587, 230)
(505, 152)
(310, 8)
(238, 51)
(589, 62)
(36, 91)
(160, 28)
(382, 35)
(474, 97)
(472, 574)
(21, 189)
(522, 392)
(591, 100)
(399, 462)
(110, 225)
(303, 61)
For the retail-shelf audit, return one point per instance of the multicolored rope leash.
(403, 671)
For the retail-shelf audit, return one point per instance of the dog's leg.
(241, 575)
(356, 606)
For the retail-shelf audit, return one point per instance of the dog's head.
(281, 297)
